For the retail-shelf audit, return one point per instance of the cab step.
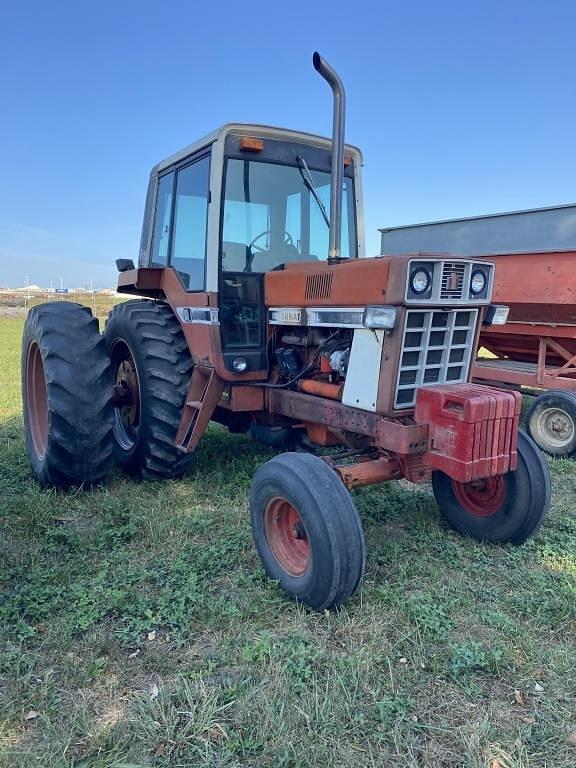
(205, 390)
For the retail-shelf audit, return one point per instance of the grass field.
(16, 303)
(138, 629)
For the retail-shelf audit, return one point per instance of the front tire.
(66, 391)
(551, 422)
(151, 367)
(506, 508)
(307, 530)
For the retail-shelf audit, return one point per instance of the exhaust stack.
(333, 80)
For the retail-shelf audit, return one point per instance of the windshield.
(270, 216)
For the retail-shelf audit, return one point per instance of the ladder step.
(197, 414)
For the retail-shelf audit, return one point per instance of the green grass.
(137, 628)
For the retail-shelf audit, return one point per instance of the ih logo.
(453, 281)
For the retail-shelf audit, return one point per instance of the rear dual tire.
(151, 367)
(66, 391)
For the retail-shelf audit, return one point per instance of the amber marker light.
(250, 144)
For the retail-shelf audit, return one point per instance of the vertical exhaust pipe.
(330, 75)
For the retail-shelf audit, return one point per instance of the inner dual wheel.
(126, 396)
(507, 508)
(307, 530)
(151, 367)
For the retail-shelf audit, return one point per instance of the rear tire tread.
(78, 391)
(164, 366)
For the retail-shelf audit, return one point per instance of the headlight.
(496, 314)
(380, 317)
(477, 282)
(239, 364)
(420, 281)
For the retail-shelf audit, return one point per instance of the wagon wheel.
(551, 422)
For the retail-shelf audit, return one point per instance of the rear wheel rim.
(37, 400)
(556, 426)
(287, 536)
(127, 405)
(481, 498)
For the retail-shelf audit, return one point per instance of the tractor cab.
(242, 202)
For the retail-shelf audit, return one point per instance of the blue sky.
(460, 109)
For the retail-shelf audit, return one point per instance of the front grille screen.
(452, 280)
(436, 349)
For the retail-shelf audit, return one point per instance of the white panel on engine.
(361, 385)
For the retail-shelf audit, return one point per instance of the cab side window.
(190, 223)
(162, 221)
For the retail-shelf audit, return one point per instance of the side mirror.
(124, 265)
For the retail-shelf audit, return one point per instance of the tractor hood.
(350, 283)
(378, 280)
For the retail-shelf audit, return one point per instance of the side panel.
(538, 287)
(356, 282)
(362, 378)
(541, 229)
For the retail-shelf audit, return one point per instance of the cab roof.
(260, 131)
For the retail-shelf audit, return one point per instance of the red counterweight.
(473, 429)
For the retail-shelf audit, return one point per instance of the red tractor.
(256, 309)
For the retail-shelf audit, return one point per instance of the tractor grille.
(452, 286)
(318, 286)
(436, 349)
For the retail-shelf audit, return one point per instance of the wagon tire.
(66, 392)
(307, 530)
(151, 368)
(504, 509)
(551, 422)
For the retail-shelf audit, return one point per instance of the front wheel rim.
(556, 426)
(37, 400)
(127, 397)
(481, 498)
(287, 536)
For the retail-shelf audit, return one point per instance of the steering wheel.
(252, 249)
(287, 240)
